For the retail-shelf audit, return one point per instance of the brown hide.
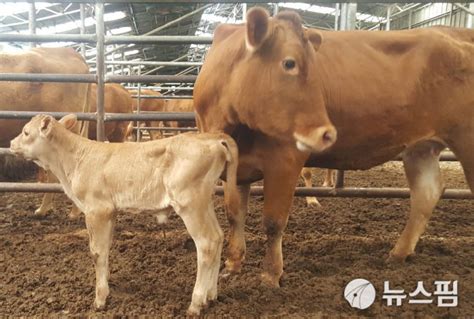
(178, 106)
(117, 100)
(383, 91)
(40, 96)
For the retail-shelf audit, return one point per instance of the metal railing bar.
(45, 77)
(156, 39)
(150, 78)
(349, 192)
(40, 38)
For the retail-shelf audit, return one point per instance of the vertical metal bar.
(410, 12)
(470, 20)
(275, 9)
(83, 27)
(389, 14)
(32, 21)
(343, 23)
(244, 12)
(351, 16)
(100, 32)
(336, 16)
(339, 179)
(138, 104)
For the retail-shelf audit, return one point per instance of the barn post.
(389, 14)
(32, 21)
(336, 16)
(100, 71)
(348, 22)
(470, 20)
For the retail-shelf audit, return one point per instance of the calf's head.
(34, 142)
(265, 74)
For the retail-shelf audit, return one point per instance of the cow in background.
(39, 96)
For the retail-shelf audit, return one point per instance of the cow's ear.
(46, 125)
(257, 28)
(69, 121)
(315, 38)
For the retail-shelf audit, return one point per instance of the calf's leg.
(421, 163)
(48, 198)
(329, 178)
(202, 225)
(100, 225)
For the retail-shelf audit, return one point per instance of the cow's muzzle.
(317, 140)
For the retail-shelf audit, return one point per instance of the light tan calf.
(117, 100)
(177, 173)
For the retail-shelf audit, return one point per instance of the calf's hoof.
(396, 258)
(99, 306)
(41, 212)
(194, 310)
(271, 281)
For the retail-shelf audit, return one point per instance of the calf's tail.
(231, 193)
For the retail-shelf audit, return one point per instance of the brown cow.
(117, 100)
(387, 93)
(177, 173)
(147, 105)
(40, 96)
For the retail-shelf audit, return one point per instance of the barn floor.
(45, 268)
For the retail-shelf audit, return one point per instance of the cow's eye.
(289, 64)
(26, 133)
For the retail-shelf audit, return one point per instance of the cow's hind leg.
(100, 225)
(202, 225)
(236, 247)
(306, 173)
(421, 163)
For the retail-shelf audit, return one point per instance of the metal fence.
(100, 117)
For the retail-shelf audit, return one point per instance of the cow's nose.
(317, 140)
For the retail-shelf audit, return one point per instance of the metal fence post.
(100, 32)
(32, 21)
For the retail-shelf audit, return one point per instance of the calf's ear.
(257, 28)
(68, 121)
(45, 125)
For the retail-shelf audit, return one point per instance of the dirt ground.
(45, 268)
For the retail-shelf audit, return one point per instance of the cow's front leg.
(100, 225)
(236, 247)
(281, 176)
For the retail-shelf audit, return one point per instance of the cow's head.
(34, 142)
(264, 75)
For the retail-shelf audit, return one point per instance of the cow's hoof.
(226, 273)
(269, 280)
(312, 202)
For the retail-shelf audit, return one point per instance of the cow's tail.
(231, 193)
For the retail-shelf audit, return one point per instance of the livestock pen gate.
(337, 16)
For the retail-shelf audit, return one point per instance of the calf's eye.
(26, 133)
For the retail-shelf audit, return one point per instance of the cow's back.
(116, 100)
(40, 96)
